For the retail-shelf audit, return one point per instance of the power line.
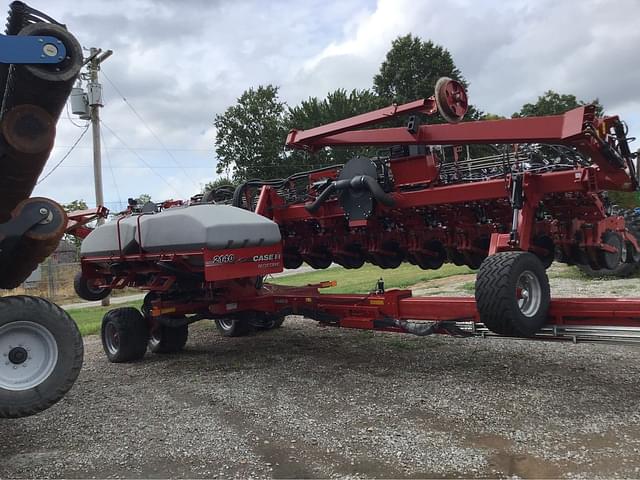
(124, 99)
(195, 167)
(149, 149)
(140, 158)
(65, 156)
(125, 167)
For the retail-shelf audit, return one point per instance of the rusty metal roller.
(27, 136)
(35, 245)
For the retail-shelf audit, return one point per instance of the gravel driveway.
(308, 401)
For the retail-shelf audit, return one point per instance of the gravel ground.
(308, 401)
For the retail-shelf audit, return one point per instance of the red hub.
(451, 99)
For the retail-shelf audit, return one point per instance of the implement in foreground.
(41, 350)
(506, 197)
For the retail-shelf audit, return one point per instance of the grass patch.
(363, 280)
(569, 273)
(90, 319)
(469, 287)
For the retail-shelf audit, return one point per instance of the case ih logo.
(266, 258)
(220, 259)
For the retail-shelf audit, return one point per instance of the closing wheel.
(291, 258)
(392, 257)
(272, 322)
(41, 355)
(124, 335)
(451, 99)
(456, 257)
(351, 257)
(436, 257)
(512, 293)
(164, 339)
(610, 260)
(319, 258)
(546, 249)
(232, 327)
(474, 258)
(89, 288)
(631, 261)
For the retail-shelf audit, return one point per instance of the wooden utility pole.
(94, 98)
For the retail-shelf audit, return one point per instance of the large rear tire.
(512, 293)
(41, 354)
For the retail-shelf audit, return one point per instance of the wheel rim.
(269, 324)
(528, 293)
(92, 286)
(28, 355)
(155, 337)
(226, 324)
(112, 338)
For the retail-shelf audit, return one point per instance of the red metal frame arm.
(307, 138)
(553, 129)
(77, 220)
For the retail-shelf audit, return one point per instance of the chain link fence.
(51, 280)
(54, 281)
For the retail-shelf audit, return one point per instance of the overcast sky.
(178, 63)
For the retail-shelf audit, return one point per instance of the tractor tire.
(163, 339)
(512, 293)
(85, 289)
(41, 353)
(272, 322)
(623, 270)
(124, 335)
(232, 327)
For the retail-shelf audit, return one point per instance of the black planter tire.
(85, 290)
(512, 293)
(232, 327)
(272, 322)
(163, 339)
(48, 355)
(124, 335)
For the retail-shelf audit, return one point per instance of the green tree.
(218, 182)
(553, 103)
(313, 112)
(143, 198)
(491, 116)
(74, 206)
(250, 135)
(411, 69)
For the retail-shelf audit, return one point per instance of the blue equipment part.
(24, 49)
